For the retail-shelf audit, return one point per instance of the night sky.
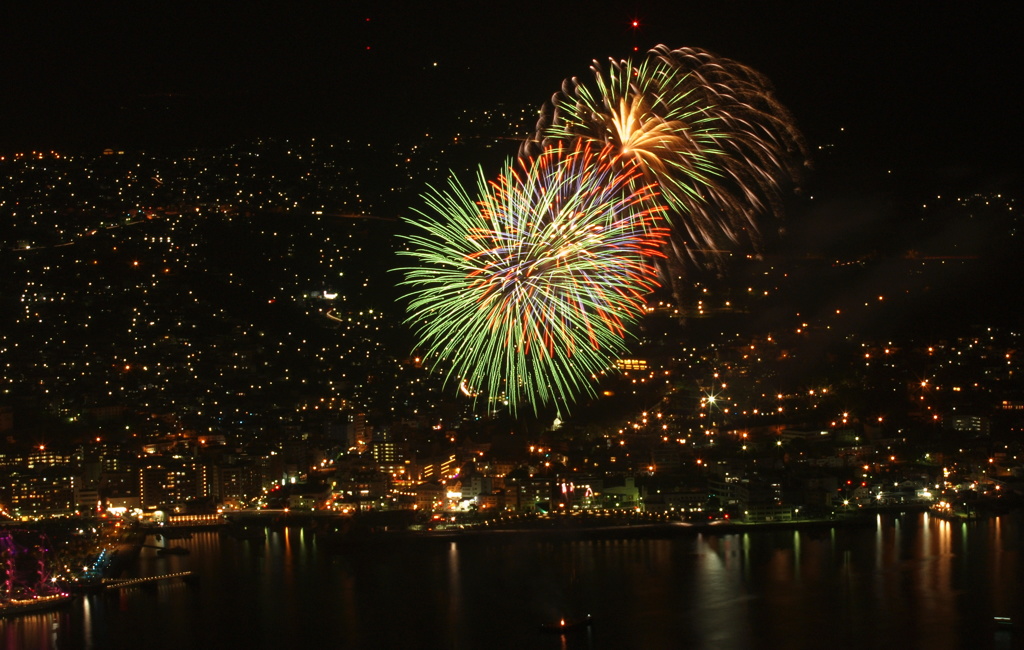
(913, 84)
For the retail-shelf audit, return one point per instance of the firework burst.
(527, 292)
(707, 130)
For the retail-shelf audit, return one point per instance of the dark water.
(910, 582)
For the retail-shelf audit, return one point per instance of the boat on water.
(173, 550)
(19, 606)
(564, 625)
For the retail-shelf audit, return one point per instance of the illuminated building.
(171, 481)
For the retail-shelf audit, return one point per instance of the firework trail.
(527, 292)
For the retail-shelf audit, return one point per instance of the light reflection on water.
(917, 581)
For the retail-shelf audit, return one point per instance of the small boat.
(563, 625)
(1003, 622)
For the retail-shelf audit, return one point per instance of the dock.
(185, 576)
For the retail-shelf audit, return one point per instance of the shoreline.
(20, 607)
(566, 531)
(559, 527)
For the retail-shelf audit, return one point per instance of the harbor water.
(911, 581)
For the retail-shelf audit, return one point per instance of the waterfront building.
(768, 511)
(429, 495)
(171, 481)
(683, 502)
(235, 483)
(624, 496)
(36, 492)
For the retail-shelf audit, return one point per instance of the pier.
(186, 576)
